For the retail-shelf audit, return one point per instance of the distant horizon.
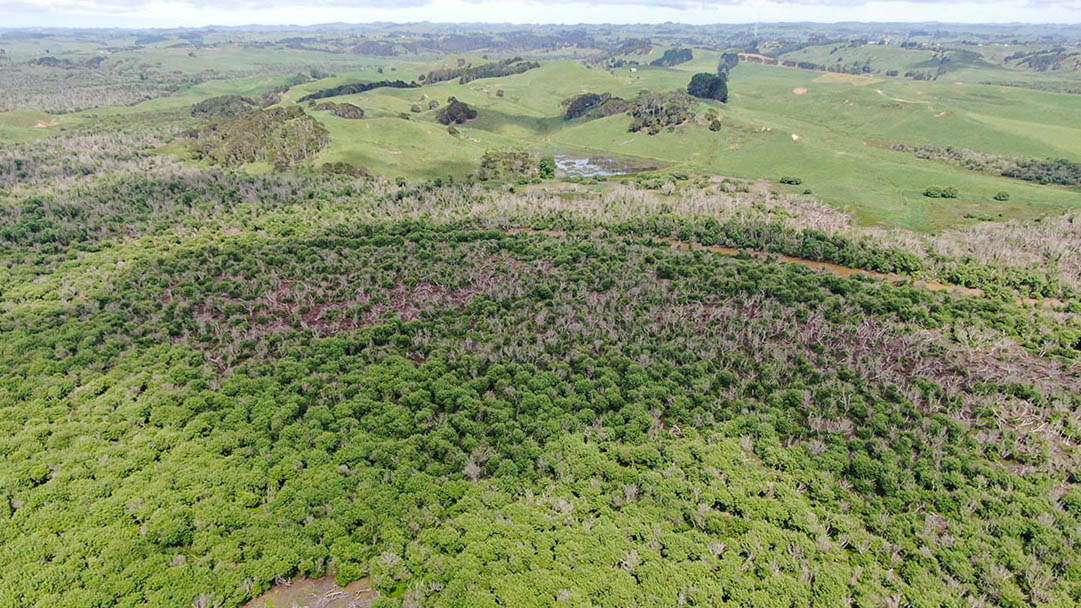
(199, 14)
(345, 24)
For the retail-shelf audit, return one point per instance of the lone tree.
(709, 86)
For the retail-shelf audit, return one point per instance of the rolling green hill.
(829, 134)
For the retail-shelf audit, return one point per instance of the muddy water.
(316, 593)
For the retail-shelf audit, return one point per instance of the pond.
(594, 166)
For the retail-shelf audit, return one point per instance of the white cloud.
(172, 13)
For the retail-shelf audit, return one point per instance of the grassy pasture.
(830, 135)
(883, 57)
(20, 126)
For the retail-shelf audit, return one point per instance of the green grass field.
(830, 134)
(881, 57)
(20, 126)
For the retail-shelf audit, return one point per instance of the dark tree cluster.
(358, 87)
(654, 112)
(495, 69)
(341, 110)
(633, 46)
(1045, 60)
(709, 86)
(1061, 171)
(672, 57)
(1058, 171)
(455, 112)
(223, 106)
(728, 61)
(589, 104)
(67, 64)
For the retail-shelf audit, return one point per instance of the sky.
(194, 13)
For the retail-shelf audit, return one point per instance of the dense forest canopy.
(410, 399)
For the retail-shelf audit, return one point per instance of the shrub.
(790, 180)
(547, 167)
(1002, 196)
(513, 163)
(342, 168)
(940, 192)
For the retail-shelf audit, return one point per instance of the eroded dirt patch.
(799, 90)
(316, 593)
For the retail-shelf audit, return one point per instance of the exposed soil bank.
(316, 593)
(836, 269)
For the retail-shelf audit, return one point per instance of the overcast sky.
(172, 13)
